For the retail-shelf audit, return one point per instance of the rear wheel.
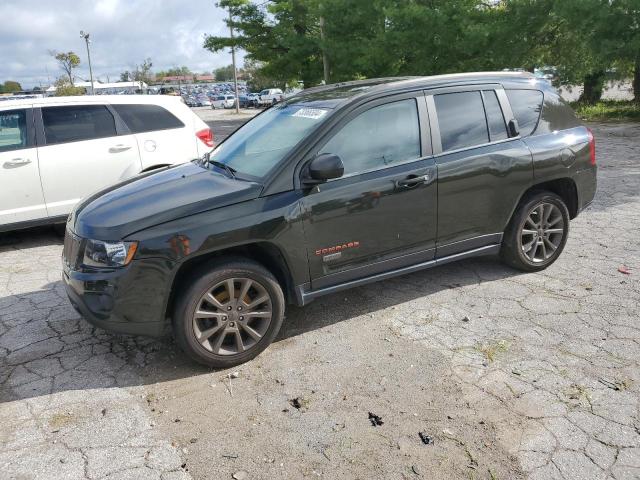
(537, 233)
(229, 313)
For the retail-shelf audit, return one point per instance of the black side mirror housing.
(325, 166)
(514, 130)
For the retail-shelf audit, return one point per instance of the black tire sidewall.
(201, 283)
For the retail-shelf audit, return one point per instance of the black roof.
(331, 96)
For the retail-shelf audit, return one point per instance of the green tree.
(68, 62)
(619, 36)
(282, 34)
(64, 88)
(174, 72)
(257, 80)
(10, 86)
(224, 74)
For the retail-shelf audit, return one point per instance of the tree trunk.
(636, 80)
(593, 85)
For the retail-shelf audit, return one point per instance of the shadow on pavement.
(46, 347)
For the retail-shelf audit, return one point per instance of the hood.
(158, 197)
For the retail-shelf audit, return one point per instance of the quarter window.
(77, 122)
(147, 118)
(526, 106)
(495, 118)
(461, 120)
(382, 136)
(13, 130)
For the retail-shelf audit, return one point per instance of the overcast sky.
(123, 34)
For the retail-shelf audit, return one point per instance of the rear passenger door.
(81, 150)
(481, 170)
(162, 137)
(20, 190)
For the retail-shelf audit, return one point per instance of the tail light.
(592, 147)
(206, 136)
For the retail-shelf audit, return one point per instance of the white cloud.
(123, 34)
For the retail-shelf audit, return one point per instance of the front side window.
(263, 142)
(147, 118)
(461, 120)
(77, 122)
(13, 130)
(380, 137)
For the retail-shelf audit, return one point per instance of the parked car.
(55, 151)
(204, 101)
(333, 188)
(224, 101)
(269, 97)
(249, 100)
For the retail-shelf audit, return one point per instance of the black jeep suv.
(336, 187)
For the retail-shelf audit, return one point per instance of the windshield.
(260, 144)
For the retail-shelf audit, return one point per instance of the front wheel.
(537, 233)
(229, 313)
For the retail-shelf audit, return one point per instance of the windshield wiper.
(225, 167)
(206, 160)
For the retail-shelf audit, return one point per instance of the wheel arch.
(564, 187)
(266, 254)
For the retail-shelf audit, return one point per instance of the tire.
(227, 318)
(532, 245)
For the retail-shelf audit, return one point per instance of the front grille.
(71, 250)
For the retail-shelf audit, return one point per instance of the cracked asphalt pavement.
(506, 375)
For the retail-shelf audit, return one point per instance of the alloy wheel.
(542, 232)
(233, 316)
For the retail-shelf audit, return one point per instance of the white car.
(55, 151)
(224, 101)
(270, 96)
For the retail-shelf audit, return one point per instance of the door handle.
(119, 148)
(16, 162)
(413, 181)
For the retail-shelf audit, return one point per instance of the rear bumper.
(586, 184)
(120, 301)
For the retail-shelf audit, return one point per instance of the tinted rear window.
(77, 122)
(495, 118)
(526, 106)
(461, 120)
(146, 118)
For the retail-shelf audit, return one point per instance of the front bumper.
(129, 300)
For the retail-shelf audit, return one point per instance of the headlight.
(108, 254)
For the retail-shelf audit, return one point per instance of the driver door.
(381, 214)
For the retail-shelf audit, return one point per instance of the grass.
(490, 351)
(608, 110)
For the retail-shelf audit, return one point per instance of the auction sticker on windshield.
(313, 113)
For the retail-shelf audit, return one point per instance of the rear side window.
(461, 120)
(382, 136)
(526, 106)
(13, 130)
(77, 122)
(495, 118)
(147, 118)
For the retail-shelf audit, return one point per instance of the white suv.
(270, 96)
(224, 101)
(55, 151)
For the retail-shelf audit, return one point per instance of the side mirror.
(324, 167)
(514, 130)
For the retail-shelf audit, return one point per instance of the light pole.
(86, 39)
(233, 61)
